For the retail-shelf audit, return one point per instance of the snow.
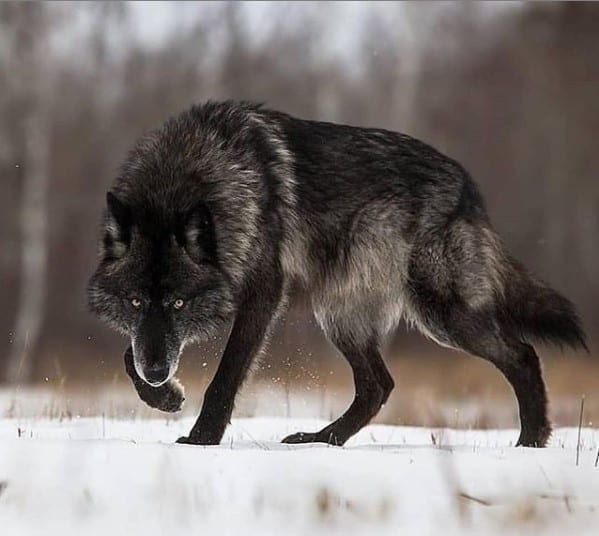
(112, 476)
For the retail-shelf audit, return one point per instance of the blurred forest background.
(509, 90)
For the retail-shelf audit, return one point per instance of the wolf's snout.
(156, 375)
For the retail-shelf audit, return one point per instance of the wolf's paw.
(299, 437)
(168, 397)
(193, 440)
(310, 437)
(186, 440)
(535, 439)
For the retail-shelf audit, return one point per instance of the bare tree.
(32, 82)
(511, 97)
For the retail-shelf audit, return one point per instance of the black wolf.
(219, 213)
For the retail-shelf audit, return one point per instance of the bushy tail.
(535, 311)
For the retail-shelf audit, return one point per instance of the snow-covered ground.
(111, 477)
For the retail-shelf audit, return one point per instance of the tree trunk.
(33, 223)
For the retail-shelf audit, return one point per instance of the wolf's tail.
(532, 310)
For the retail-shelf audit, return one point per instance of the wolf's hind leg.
(521, 367)
(168, 397)
(455, 286)
(373, 384)
(480, 334)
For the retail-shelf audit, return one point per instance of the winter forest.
(508, 89)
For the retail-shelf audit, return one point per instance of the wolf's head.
(159, 282)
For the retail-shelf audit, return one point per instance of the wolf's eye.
(136, 303)
(178, 304)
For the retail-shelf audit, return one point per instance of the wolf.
(224, 212)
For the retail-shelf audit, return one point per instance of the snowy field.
(101, 476)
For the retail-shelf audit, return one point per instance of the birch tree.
(28, 25)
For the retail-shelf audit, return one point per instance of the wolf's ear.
(196, 234)
(117, 234)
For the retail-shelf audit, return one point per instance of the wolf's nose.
(156, 375)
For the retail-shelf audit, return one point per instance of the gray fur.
(231, 206)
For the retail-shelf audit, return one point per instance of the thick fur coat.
(216, 216)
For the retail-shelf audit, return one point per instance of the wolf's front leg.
(168, 397)
(254, 318)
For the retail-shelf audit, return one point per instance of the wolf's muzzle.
(156, 375)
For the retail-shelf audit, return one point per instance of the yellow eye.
(136, 303)
(178, 304)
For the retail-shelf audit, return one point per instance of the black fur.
(220, 212)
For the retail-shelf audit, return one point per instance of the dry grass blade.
(467, 497)
(579, 430)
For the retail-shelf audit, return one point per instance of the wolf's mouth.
(156, 374)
